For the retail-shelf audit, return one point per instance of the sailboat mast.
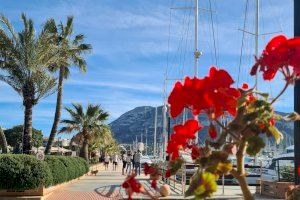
(155, 130)
(196, 53)
(256, 27)
(146, 143)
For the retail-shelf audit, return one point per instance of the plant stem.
(226, 129)
(239, 173)
(281, 92)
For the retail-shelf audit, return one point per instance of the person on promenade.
(137, 161)
(132, 160)
(115, 162)
(128, 163)
(124, 159)
(106, 161)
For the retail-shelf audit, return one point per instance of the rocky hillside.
(140, 120)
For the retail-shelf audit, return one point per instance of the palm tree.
(71, 50)
(24, 60)
(85, 123)
(3, 142)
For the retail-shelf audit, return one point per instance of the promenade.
(106, 185)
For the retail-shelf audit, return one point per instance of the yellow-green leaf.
(276, 133)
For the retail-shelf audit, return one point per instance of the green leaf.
(203, 184)
(294, 116)
(275, 133)
(255, 144)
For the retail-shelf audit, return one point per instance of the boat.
(281, 167)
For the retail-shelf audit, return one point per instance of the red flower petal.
(168, 173)
(245, 86)
(212, 131)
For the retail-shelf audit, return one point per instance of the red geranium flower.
(195, 152)
(182, 134)
(177, 100)
(245, 86)
(154, 184)
(212, 94)
(280, 53)
(148, 169)
(212, 131)
(272, 122)
(131, 185)
(168, 173)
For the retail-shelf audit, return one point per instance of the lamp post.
(297, 96)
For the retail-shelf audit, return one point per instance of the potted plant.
(249, 114)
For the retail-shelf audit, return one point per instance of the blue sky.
(133, 42)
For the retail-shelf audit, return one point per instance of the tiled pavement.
(106, 185)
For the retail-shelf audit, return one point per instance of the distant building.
(61, 142)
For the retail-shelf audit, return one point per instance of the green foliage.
(82, 162)
(58, 169)
(14, 136)
(287, 174)
(30, 173)
(70, 166)
(202, 185)
(87, 122)
(95, 160)
(255, 144)
(23, 172)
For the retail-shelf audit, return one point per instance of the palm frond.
(69, 26)
(10, 28)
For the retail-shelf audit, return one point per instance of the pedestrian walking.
(124, 160)
(128, 163)
(137, 161)
(132, 160)
(106, 161)
(115, 162)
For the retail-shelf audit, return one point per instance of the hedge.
(21, 172)
(58, 169)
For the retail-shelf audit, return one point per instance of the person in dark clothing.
(137, 161)
(132, 160)
(124, 158)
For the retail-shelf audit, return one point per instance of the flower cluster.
(279, 54)
(131, 185)
(213, 95)
(154, 172)
(181, 136)
(251, 114)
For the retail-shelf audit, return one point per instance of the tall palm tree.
(71, 48)
(85, 123)
(3, 142)
(24, 60)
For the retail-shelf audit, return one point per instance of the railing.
(184, 173)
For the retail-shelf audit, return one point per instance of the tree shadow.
(109, 191)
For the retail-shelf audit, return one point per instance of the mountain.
(135, 123)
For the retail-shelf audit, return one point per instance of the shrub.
(26, 172)
(82, 162)
(23, 172)
(58, 169)
(66, 168)
(71, 168)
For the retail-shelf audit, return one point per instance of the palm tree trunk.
(84, 153)
(3, 142)
(57, 110)
(27, 132)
